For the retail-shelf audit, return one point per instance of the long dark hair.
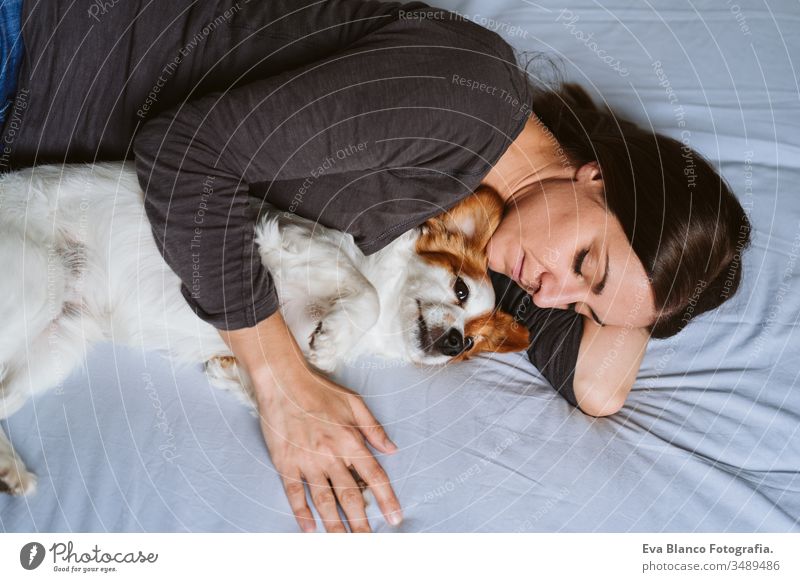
(682, 220)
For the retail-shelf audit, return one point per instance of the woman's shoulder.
(482, 67)
(464, 31)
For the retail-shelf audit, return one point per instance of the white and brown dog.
(79, 265)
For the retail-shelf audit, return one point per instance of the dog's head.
(449, 308)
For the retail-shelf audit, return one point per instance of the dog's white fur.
(79, 265)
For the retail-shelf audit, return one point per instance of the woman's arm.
(608, 362)
(198, 162)
(314, 430)
(592, 367)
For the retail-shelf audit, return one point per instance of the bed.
(709, 439)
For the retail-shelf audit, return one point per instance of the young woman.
(371, 117)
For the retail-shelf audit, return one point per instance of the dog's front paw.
(224, 372)
(323, 351)
(15, 479)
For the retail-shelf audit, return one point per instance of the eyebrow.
(598, 289)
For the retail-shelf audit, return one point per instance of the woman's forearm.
(315, 430)
(608, 363)
(268, 352)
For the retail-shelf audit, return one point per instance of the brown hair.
(682, 220)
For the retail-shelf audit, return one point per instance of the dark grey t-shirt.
(369, 117)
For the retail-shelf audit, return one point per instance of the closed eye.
(577, 265)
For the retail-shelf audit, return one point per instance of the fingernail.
(390, 446)
(308, 526)
(395, 517)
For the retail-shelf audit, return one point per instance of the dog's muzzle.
(450, 343)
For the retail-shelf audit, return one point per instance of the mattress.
(708, 440)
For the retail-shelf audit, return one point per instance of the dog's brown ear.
(497, 332)
(508, 335)
(475, 218)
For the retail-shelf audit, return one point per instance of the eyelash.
(577, 266)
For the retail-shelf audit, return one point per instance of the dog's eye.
(461, 289)
(468, 343)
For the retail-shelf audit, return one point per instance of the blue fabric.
(10, 52)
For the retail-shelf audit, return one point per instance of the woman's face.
(559, 243)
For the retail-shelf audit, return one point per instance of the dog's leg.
(224, 372)
(33, 284)
(48, 361)
(351, 315)
(328, 304)
(44, 364)
(14, 477)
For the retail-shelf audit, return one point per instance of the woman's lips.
(516, 276)
(518, 268)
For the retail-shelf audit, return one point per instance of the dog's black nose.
(450, 343)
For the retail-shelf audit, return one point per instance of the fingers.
(371, 428)
(296, 493)
(350, 498)
(325, 501)
(376, 479)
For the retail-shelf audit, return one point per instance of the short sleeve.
(555, 334)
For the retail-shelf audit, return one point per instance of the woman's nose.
(559, 294)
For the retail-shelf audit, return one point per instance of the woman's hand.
(315, 430)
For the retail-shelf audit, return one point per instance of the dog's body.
(79, 265)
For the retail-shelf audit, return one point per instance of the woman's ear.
(589, 172)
